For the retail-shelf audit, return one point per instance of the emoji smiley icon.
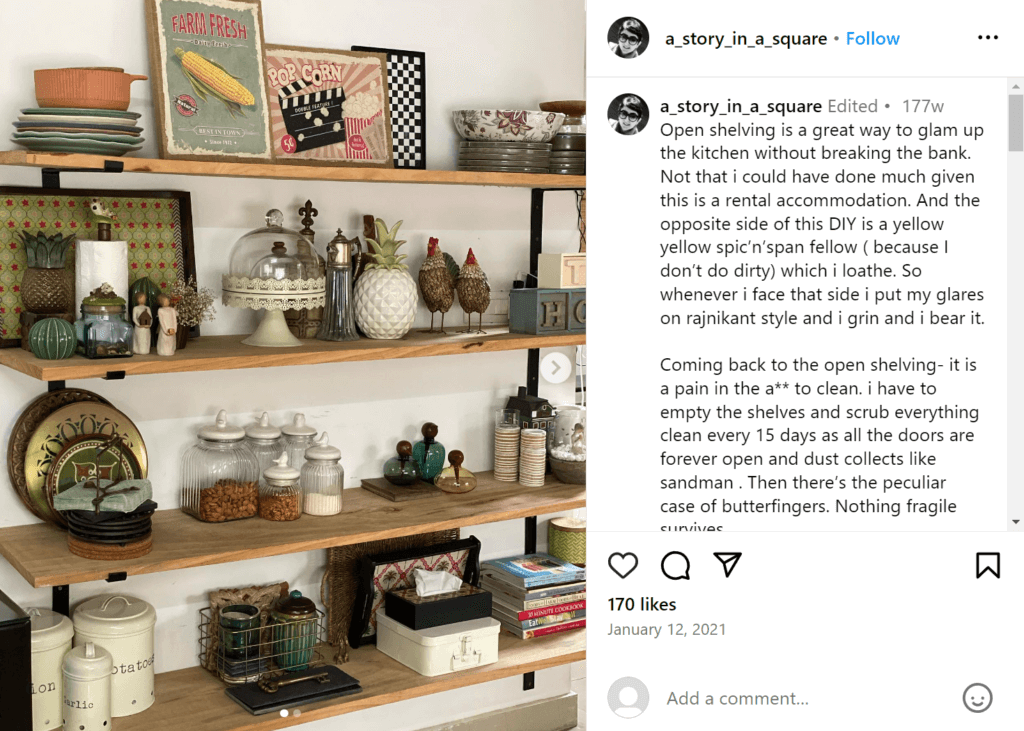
(978, 698)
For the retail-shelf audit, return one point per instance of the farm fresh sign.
(208, 63)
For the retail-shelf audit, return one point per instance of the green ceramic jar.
(295, 630)
(52, 339)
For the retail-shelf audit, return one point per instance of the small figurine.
(474, 291)
(403, 469)
(437, 282)
(578, 446)
(456, 478)
(429, 453)
(166, 341)
(142, 316)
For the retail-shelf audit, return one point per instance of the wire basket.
(262, 650)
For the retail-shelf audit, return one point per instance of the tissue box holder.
(440, 650)
(416, 612)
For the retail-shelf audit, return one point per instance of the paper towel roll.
(97, 262)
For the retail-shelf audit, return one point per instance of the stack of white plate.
(89, 131)
(533, 457)
(506, 453)
(504, 157)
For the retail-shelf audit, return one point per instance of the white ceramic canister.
(51, 640)
(123, 625)
(87, 696)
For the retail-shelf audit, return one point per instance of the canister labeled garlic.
(87, 697)
(123, 625)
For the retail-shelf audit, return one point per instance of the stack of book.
(536, 594)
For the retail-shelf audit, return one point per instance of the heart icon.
(623, 564)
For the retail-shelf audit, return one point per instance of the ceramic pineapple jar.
(47, 287)
(385, 295)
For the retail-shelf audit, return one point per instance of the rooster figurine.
(437, 282)
(473, 289)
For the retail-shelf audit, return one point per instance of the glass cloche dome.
(271, 269)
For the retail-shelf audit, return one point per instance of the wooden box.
(547, 311)
(562, 271)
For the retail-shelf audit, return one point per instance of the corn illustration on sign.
(208, 62)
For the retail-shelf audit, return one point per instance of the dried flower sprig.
(194, 304)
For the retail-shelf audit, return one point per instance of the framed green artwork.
(157, 224)
(207, 67)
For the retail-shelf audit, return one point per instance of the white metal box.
(440, 650)
(562, 271)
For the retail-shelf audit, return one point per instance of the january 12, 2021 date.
(674, 629)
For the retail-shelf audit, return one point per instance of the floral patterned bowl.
(507, 125)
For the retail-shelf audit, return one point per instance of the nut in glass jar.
(280, 495)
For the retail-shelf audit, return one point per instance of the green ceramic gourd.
(52, 339)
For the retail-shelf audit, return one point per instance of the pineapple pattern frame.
(156, 224)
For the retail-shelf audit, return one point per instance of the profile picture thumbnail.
(628, 37)
(628, 697)
(628, 114)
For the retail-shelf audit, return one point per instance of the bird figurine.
(99, 213)
(437, 282)
(473, 290)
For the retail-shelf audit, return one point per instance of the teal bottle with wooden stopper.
(429, 453)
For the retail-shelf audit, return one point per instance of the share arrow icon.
(729, 561)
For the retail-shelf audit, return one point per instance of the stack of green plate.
(91, 131)
(504, 157)
(569, 148)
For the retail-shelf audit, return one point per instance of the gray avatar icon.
(628, 697)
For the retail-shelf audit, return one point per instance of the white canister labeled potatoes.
(122, 625)
(51, 641)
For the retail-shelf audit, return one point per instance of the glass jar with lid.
(298, 437)
(265, 441)
(280, 494)
(103, 331)
(220, 474)
(567, 451)
(323, 479)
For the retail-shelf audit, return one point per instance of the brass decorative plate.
(26, 425)
(78, 462)
(62, 426)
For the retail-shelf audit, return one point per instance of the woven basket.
(341, 580)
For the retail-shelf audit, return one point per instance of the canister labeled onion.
(123, 625)
(51, 640)
(87, 696)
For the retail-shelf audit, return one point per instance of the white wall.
(477, 55)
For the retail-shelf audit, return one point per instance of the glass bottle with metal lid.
(280, 494)
(220, 474)
(323, 479)
(339, 321)
(265, 441)
(298, 437)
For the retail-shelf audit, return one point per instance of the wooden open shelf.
(193, 700)
(40, 552)
(289, 172)
(226, 352)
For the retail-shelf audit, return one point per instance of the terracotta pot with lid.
(85, 88)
